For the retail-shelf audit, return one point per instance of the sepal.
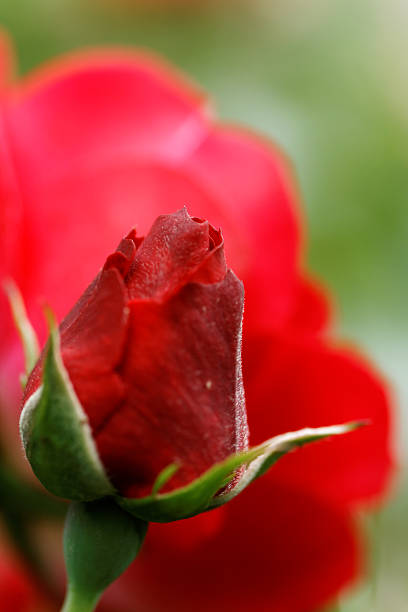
(25, 330)
(56, 434)
(210, 490)
(274, 448)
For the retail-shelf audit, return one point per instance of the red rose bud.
(152, 350)
(141, 390)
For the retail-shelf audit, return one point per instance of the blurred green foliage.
(326, 81)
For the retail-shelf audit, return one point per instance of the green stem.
(100, 542)
(76, 601)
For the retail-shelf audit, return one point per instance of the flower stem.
(75, 601)
(100, 541)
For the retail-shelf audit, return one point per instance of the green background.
(327, 80)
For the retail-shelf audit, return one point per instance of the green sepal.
(57, 437)
(164, 476)
(25, 330)
(100, 542)
(201, 494)
(275, 448)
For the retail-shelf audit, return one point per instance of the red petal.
(78, 110)
(292, 384)
(17, 591)
(184, 397)
(76, 131)
(255, 191)
(274, 549)
(171, 253)
(92, 340)
(11, 236)
(123, 257)
(311, 308)
(81, 133)
(92, 343)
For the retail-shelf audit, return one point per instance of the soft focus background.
(326, 79)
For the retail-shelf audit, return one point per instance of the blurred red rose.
(17, 591)
(161, 321)
(91, 143)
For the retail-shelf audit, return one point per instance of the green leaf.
(100, 542)
(200, 495)
(57, 437)
(26, 331)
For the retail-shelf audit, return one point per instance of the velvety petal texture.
(97, 142)
(153, 349)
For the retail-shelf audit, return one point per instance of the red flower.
(153, 351)
(94, 142)
(17, 591)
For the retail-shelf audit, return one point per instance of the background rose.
(77, 160)
(18, 592)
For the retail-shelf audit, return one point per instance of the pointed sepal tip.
(56, 434)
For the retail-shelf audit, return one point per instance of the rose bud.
(141, 390)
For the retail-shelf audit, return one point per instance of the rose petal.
(80, 109)
(252, 181)
(92, 340)
(184, 397)
(17, 590)
(275, 548)
(67, 128)
(84, 176)
(311, 308)
(169, 255)
(293, 383)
